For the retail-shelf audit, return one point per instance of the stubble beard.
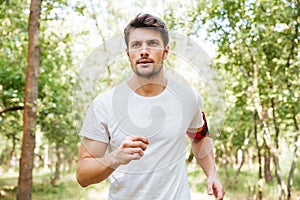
(152, 74)
(149, 75)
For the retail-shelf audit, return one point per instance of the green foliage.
(248, 33)
(56, 77)
(251, 34)
(13, 52)
(262, 37)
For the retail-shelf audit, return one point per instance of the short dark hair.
(147, 21)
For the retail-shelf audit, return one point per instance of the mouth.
(144, 61)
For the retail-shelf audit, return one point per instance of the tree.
(13, 47)
(56, 78)
(258, 47)
(30, 103)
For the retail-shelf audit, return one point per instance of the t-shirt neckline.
(148, 97)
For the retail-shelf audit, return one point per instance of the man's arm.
(203, 152)
(95, 166)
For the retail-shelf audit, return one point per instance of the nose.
(144, 51)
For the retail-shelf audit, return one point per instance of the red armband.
(201, 132)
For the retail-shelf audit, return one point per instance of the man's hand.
(132, 148)
(214, 187)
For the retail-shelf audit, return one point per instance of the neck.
(148, 87)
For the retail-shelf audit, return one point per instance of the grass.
(66, 188)
(243, 188)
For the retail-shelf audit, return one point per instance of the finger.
(134, 151)
(140, 138)
(218, 191)
(135, 144)
(140, 144)
(219, 194)
(133, 156)
(209, 186)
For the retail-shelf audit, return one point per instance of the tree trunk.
(225, 162)
(243, 152)
(266, 132)
(56, 177)
(292, 54)
(30, 104)
(267, 155)
(295, 156)
(297, 135)
(70, 162)
(260, 176)
(276, 127)
(51, 158)
(280, 181)
(12, 154)
(258, 114)
(191, 156)
(281, 185)
(267, 166)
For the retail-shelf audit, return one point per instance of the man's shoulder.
(185, 92)
(181, 86)
(108, 95)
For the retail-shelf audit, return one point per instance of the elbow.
(80, 180)
(82, 184)
(85, 181)
(81, 176)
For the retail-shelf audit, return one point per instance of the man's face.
(146, 52)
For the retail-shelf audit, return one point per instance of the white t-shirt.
(164, 120)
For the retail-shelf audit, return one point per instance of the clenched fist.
(132, 148)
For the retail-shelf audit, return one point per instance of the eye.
(153, 43)
(135, 44)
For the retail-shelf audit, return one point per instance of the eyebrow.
(150, 40)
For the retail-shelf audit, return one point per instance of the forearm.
(203, 152)
(95, 166)
(94, 170)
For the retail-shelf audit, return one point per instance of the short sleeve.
(197, 120)
(95, 123)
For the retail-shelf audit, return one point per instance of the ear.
(166, 52)
(127, 53)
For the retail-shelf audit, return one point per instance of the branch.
(293, 45)
(14, 108)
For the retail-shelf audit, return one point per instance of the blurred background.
(253, 46)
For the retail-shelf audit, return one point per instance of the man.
(142, 123)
